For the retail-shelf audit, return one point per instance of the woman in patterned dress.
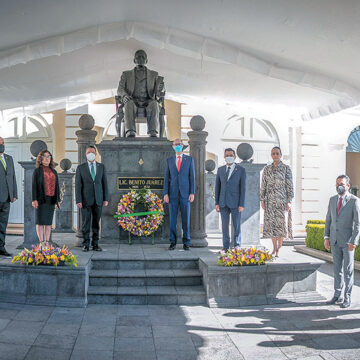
(275, 195)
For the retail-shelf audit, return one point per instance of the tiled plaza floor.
(310, 330)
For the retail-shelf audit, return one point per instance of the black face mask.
(340, 190)
(2, 148)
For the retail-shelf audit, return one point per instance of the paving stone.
(94, 329)
(38, 352)
(50, 341)
(130, 344)
(133, 310)
(219, 354)
(134, 355)
(4, 323)
(177, 355)
(170, 331)
(134, 331)
(13, 351)
(8, 313)
(85, 354)
(61, 329)
(33, 315)
(94, 343)
(133, 321)
(173, 344)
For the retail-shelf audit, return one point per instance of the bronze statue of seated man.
(140, 88)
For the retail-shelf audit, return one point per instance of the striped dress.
(276, 191)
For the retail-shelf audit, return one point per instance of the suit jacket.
(87, 191)
(38, 188)
(182, 182)
(231, 192)
(8, 186)
(345, 227)
(127, 83)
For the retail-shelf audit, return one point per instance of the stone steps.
(151, 280)
(143, 295)
(153, 277)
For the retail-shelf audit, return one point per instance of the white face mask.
(90, 156)
(229, 159)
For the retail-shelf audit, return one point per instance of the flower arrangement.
(244, 257)
(45, 255)
(136, 223)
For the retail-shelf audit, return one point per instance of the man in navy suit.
(230, 196)
(179, 190)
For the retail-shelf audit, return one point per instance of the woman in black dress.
(45, 195)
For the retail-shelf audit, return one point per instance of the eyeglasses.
(46, 157)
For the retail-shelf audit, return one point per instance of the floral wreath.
(137, 223)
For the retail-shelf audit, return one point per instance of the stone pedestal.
(132, 157)
(250, 217)
(197, 142)
(30, 236)
(85, 138)
(64, 216)
(212, 217)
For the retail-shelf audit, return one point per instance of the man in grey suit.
(139, 88)
(342, 230)
(230, 197)
(8, 192)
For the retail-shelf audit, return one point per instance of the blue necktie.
(228, 172)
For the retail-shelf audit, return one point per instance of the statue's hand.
(126, 98)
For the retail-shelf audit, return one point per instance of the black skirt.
(45, 212)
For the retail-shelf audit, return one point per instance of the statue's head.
(140, 57)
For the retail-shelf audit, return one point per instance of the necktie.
(179, 163)
(3, 162)
(92, 171)
(227, 173)
(339, 206)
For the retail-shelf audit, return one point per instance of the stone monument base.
(129, 158)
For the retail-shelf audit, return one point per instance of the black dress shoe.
(130, 134)
(153, 134)
(186, 247)
(346, 303)
(172, 246)
(86, 248)
(5, 253)
(97, 248)
(335, 300)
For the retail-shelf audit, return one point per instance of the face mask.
(2, 148)
(229, 159)
(340, 190)
(90, 156)
(178, 148)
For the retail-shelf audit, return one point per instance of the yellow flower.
(62, 258)
(30, 260)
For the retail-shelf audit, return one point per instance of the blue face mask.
(178, 148)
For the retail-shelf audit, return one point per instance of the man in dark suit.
(230, 196)
(91, 195)
(8, 192)
(139, 88)
(179, 190)
(342, 231)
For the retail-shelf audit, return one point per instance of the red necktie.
(179, 163)
(339, 206)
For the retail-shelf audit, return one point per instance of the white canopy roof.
(300, 58)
